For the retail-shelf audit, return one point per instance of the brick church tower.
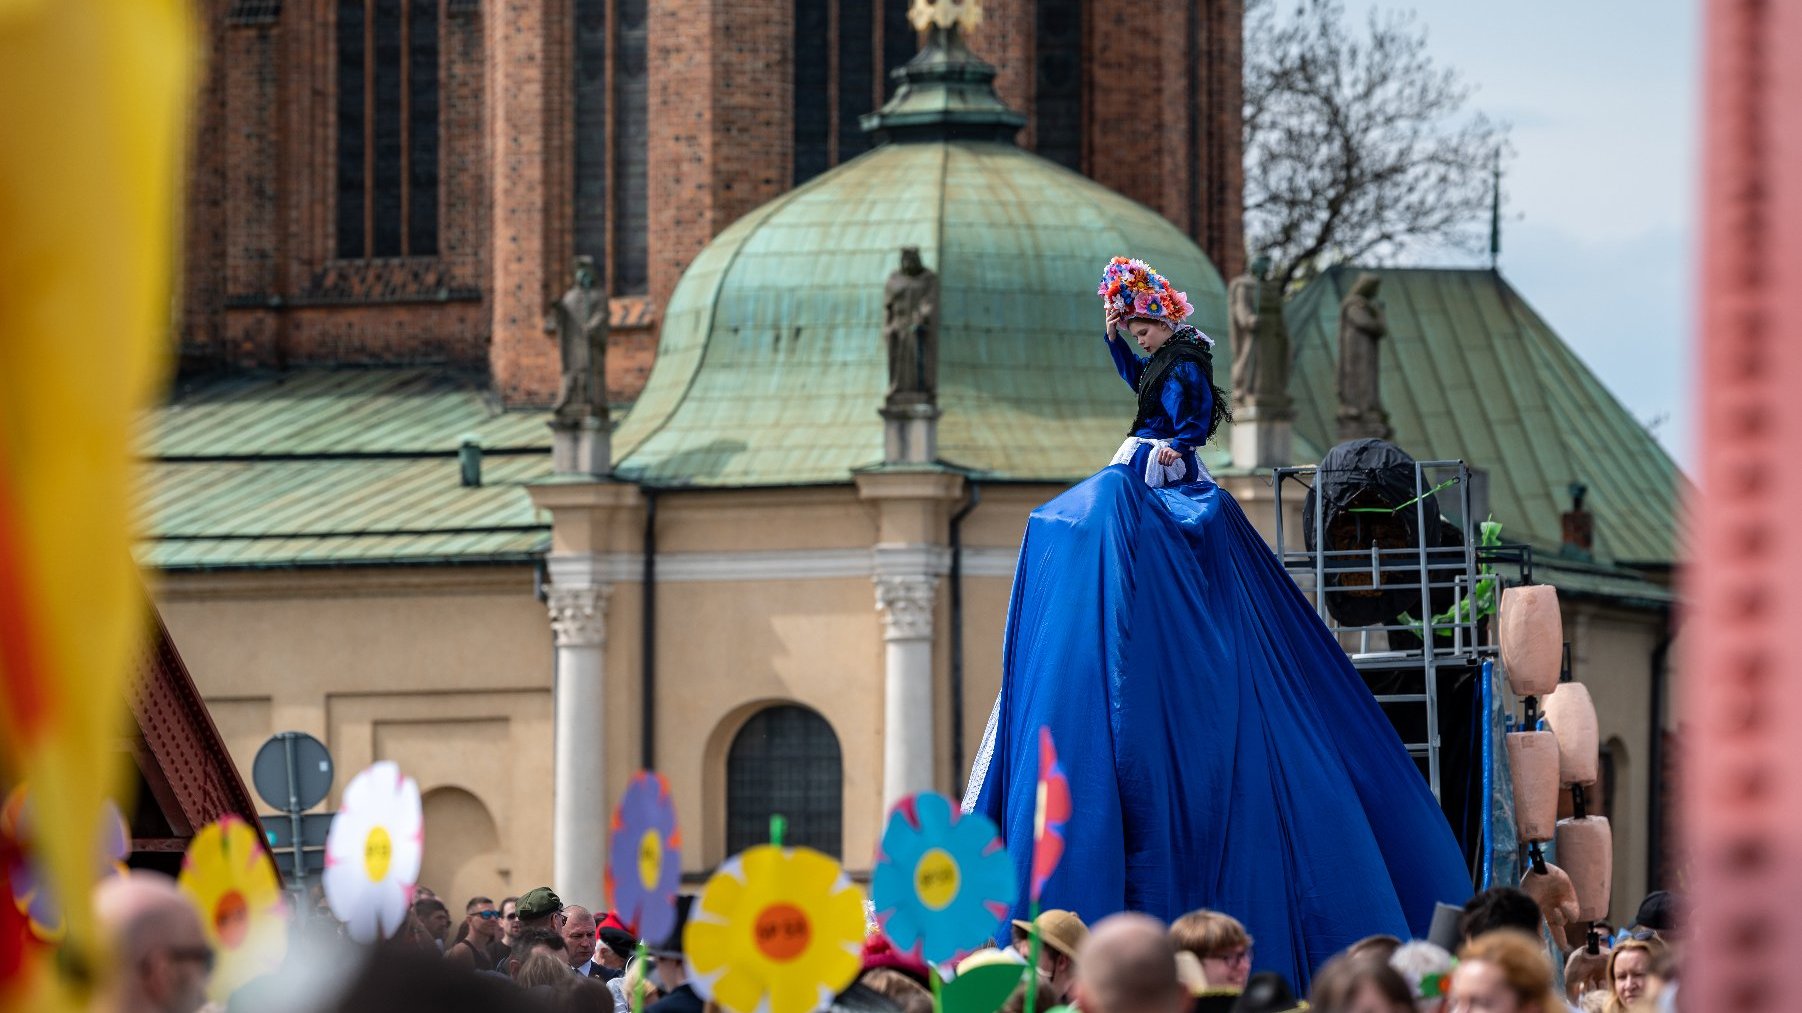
(407, 181)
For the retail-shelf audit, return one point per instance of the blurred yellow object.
(93, 106)
(229, 877)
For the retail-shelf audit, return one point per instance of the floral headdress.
(1133, 288)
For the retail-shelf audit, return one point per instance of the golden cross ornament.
(966, 14)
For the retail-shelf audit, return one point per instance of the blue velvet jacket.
(1187, 400)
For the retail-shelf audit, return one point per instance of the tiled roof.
(1470, 371)
(339, 467)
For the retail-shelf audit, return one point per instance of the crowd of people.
(534, 952)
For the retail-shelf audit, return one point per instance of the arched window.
(845, 51)
(387, 128)
(1057, 98)
(612, 141)
(785, 760)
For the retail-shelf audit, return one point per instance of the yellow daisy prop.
(777, 930)
(227, 874)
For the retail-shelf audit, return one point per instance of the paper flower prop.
(1133, 288)
(776, 930)
(372, 852)
(27, 876)
(228, 876)
(1050, 814)
(645, 864)
(942, 880)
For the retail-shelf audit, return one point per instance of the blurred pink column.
(1742, 792)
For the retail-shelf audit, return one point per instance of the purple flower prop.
(28, 881)
(644, 863)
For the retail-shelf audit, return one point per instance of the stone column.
(912, 506)
(906, 603)
(579, 806)
(592, 525)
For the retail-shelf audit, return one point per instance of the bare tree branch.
(1357, 146)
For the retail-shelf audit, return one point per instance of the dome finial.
(945, 14)
(945, 92)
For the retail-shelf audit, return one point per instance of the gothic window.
(1057, 101)
(387, 128)
(785, 760)
(813, 89)
(612, 141)
(845, 51)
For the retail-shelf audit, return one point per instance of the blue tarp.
(1221, 750)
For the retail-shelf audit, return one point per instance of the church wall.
(1611, 653)
(764, 597)
(264, 285)
(446, 671)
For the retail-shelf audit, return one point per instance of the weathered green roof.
(332, 467)
(1470, 371)
(771, 366)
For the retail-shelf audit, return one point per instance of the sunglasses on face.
(202, 955)
(511, 916)
(489, 915)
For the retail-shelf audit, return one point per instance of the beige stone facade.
(763, 597)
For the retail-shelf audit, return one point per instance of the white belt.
(1159, 475)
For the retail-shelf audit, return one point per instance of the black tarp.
(1364, 485)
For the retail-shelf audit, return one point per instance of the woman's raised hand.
(1113, 323)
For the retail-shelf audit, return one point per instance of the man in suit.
(579, 937)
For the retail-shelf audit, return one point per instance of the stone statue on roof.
(580, 321)
(911, 331)
(1260, 341)
(944, 14)
(1362, 326)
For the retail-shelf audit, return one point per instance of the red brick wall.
(1143, 137)
(263, 286)
(530, 81)
(203, 228)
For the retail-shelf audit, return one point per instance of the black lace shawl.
(1185, 345)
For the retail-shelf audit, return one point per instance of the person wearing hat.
(1660, 913)
(1268, 992)
(539, 910)
(1127, 645)
(617, 946)
(1061, 935)
(672, 977)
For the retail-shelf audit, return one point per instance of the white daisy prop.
(372, 852)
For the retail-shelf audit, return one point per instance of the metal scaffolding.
(1469, 574)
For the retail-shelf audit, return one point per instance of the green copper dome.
(772, 366)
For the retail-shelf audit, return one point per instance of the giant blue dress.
(1222, 751)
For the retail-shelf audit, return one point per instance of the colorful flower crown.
(1133, 288)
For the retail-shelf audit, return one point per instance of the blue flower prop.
(942, 880)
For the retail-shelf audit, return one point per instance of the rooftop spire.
(946, 92)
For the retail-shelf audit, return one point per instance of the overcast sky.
(1602, 98)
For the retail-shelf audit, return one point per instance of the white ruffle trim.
(1159, 475)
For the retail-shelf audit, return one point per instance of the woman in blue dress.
(1221, 750)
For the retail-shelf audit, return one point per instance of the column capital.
(906, 603)
(579, 614)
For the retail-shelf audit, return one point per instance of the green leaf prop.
(982, 989)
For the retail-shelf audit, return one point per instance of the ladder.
(1409, 675)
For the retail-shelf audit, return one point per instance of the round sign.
(312, 771)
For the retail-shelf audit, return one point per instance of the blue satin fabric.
(1222, 752)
